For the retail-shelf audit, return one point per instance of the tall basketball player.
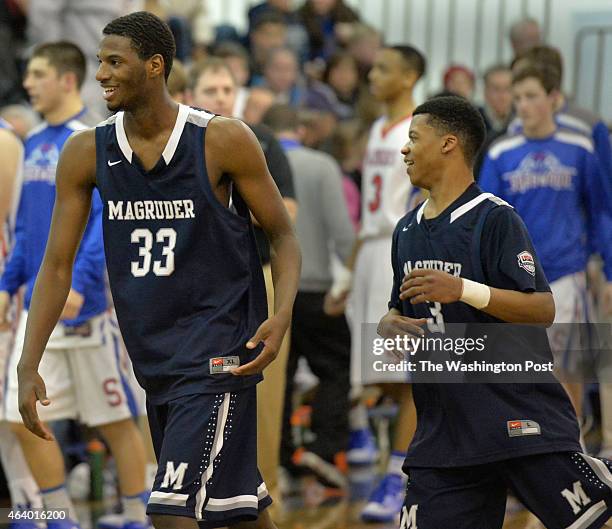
(177, 186)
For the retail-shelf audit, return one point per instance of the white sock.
(358, 417)
(57, 498)
(396, 460)
(22, 487)
(134, 508)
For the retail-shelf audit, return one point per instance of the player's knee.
(163, 521)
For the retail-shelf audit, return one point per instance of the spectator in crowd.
(341, 75)
(83, 375)
(281, 75)
(554, 180)
(297, 39)
(525, 34)
(459, 80)
(178, 82)
(259, 101)
(190, 23)
(269, 31)
(363, 44)
(21, 118)
(79, 21)
(497, 108)
(237, 58)
(12, 38)
(323, 340)
(321, 18)
(214, 88)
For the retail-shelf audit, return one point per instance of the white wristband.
(475, 294)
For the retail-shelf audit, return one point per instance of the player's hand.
(73, 306)
(335, 306)
(271, 332)
(423, 285)
(606, 299)
(392, 325)
(32, 390)
(5, 303)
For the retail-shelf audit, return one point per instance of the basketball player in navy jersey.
(473, 441)
(177, 185)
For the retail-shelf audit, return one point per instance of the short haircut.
(496, 68)
(228, 49)
(201, 67)
(281, 118)
(413, 58)
(149, 36)
(548, 75)
(455, 115)
(65, 57)
(542, 54)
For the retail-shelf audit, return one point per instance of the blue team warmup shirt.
(42, 149)
(558, 188)
(481, 238)
(184, 270)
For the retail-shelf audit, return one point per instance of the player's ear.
(449, 142)
(156, 66)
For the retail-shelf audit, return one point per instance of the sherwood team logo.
(526, 262)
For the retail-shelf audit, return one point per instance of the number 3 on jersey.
(374, 204)
(144, 238)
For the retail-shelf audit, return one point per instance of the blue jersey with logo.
(184, 270)
(481, 238)
(557, 186)
(33, 222)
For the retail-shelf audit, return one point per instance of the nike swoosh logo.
(110, 164)
(405, 229)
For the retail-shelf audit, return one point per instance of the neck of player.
(69, 107)
(541, 129)
(450, 184)
(399, 108)
(151, 118)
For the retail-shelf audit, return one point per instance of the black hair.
(149, 34)
(455, 115)
(413, 58)
(64, 56)
(269, 17)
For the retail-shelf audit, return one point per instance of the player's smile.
(109, 92)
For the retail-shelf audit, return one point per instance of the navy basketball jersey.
(479, 237)
(184, 271)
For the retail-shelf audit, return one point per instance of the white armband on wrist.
(475, 294)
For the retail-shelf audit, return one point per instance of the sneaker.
(362, 448)
(63, 524)
(386, 500)
(330, 474)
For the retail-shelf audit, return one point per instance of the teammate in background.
(215, 89)
(80, 368)
(23, 490)
(468, 448)
(386, 193)
(184, 274)
(554, 180)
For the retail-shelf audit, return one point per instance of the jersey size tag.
(83, 330)
(524, 427)
(224, 364)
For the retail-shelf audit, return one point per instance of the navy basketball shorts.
(565, 490)
(206, 447)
